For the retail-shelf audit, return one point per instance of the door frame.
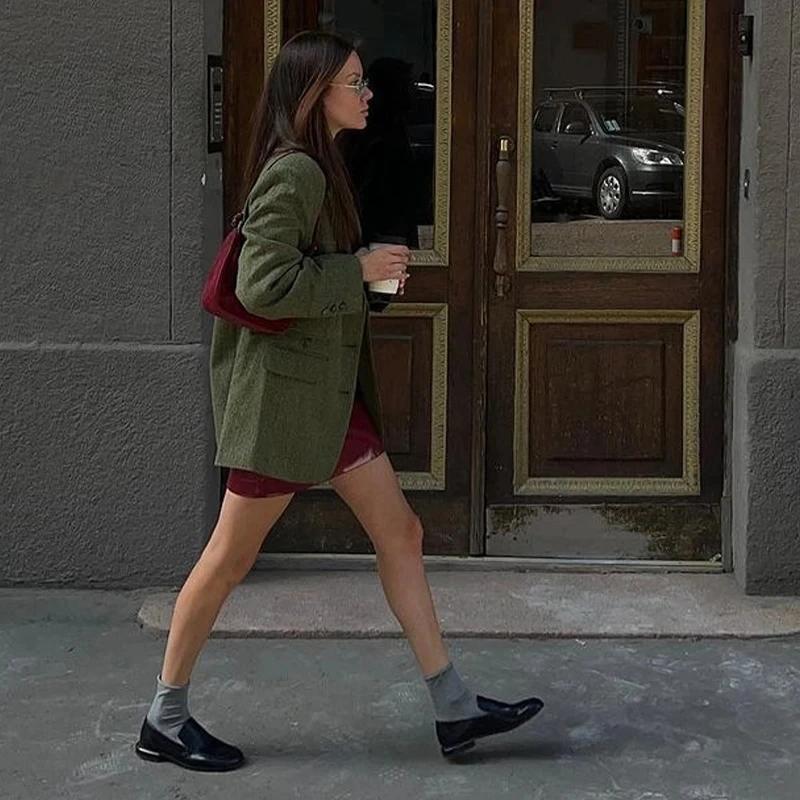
(484, 199)
(731, 311)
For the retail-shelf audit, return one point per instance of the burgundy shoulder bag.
(219, 291)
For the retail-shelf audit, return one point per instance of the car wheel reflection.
(612, 193)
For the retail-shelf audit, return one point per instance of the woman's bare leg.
(229, 555)
(373, 494)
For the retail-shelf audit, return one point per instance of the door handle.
(503, 169)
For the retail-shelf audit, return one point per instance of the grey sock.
(452, 699)
(170, 709)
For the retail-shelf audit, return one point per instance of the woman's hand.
(384, 263)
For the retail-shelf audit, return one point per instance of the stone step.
(350, 604)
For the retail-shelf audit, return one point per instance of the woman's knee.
(407, 536)
(227, 562)
(241, 529)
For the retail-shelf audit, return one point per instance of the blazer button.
(342, 306)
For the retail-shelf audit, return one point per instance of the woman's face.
(347, 99)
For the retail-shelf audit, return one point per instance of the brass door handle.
(503, 170)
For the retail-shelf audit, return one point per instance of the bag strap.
(240, 217)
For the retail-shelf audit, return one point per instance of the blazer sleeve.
(275, 279)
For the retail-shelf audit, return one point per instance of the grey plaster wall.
(105, 458)
(109, 214)
(765, 435)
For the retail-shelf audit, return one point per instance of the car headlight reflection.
(656, 157)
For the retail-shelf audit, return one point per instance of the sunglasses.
(360, 87)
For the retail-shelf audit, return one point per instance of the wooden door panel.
(395, 386)
(605, 400)
(580, 290)
(403, 358)
(606, 404)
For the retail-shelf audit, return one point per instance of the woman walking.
(295, 409)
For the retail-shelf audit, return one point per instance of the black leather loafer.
(198, 749)
(456, 737)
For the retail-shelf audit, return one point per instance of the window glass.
(573, 112)
(619, 69)
(392, 161)
(545, 119)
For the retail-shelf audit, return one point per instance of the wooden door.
(423, 344)
(552, 380)
(604, 417)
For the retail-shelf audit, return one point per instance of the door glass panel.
(609, 122)
(392, 161)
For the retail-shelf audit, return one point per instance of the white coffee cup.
(391, 286)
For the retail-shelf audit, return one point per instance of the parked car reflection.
(619, 147)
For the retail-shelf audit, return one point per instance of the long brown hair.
(290, 116)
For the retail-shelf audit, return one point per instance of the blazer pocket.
(302, 343)
(302, 366)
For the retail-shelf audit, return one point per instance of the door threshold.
(358, 562)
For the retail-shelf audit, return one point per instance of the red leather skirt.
(361, 444)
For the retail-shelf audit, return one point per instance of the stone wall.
(765, 431)
(110, 212)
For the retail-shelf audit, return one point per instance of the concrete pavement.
(633, 719)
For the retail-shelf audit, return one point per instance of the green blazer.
(282, 402)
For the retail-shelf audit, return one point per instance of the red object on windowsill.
(677, 241)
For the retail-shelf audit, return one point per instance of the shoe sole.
(448, 752)
(152, 755)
